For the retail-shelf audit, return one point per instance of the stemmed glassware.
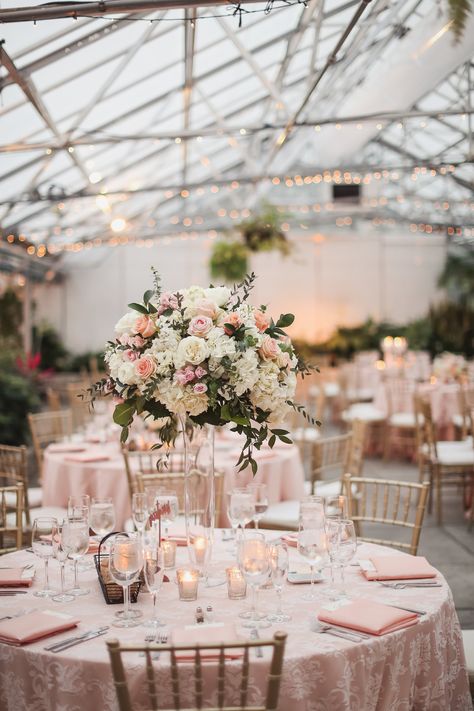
(312, 508)
(241, 506)
(43, 532)
(140, 511)
(234, 522)
(153, 567)
(312, 546)
(278, 556)
(335, 506)
(78, 503)
(254, 564)
(168, 499)
(102, 516)
(347, 549)
(61, 552)
(75, 537)
(260, 500)
(125, 564)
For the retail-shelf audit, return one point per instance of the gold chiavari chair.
(11, 517)
(398, 504)
(150, 461)
(401, 424)
(78, 403)
(46, 428)
(448, 463)
(466, 403)
(180, 680)
(330, 456)
(175, 482)
(53, 399)
(13, 468)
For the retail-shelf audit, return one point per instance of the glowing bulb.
(118, 224)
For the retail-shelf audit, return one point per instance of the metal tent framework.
(129, 121)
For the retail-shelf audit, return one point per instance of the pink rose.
(168, 300)
(200, 388)
(200, 372)
(124, 339)
(269, 349)
(180, 377)
(200, 326)
(283, 359)
(189, 374)
(137, 341)
(234, 319)
(145, 326)
(130, 355)
(145, 367)
(205, 307)
(262, 321)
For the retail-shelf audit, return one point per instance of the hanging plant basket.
(229, 261)
(264, 232)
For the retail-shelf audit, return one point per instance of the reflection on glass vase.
(199, 491)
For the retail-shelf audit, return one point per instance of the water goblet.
(312, 509)
(75, 534)
(278, 556)
(312, 546)
(346, 550)
(335, 506)
(140, 511)
(254, 564)
(44, 529)
(153, 568)
(61, 552)
(83, 501)
(125, 564)
(102, 516)
(241, 506)
(260, 499)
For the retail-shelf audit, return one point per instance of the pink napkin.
(12, 578)
(368, 616)
(291, 539)
(400, 567)
(66, 447)
(88, 457)
(179, 540)
(217, 633)
(34, 625)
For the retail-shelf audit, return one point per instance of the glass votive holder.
(169, 553)
(188, 580)
(236, 585)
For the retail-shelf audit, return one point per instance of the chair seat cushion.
(331, 389)
(282, 515)
(457, 420)
(402, 419)
(305, 434)
(365, 412)
(452, 457)
(35, 497)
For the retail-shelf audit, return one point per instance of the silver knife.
(66, 643)
(409, 609)
(254, 635)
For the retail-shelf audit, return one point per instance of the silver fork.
(402, 586)
(161, 638)
(149, 637)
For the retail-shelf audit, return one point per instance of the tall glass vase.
(199, 492)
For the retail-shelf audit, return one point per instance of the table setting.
(366, 610)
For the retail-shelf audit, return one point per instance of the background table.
(281, 469)
(421, 667)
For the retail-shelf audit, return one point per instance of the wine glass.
(335, 506)
(140, 511)
(125, 564)
(44, 528)
(254, 564)
(78, 502)
(312, 546)
(61, 552)
(153, 567)
(169, 500)
(312, 509)
(347, 549)
(75, 535)
(234, 522)
(260, 500)
(278, 556)
(241, 506)
(102, 516)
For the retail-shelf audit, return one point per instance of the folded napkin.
(88, 457)
(16, 577)
(63, 447)
(397, 567)
(369, 616)
(291, 539)
(179, 540)
(34, 625)
(216, 633)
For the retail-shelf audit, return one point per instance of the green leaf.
(123, 413)
(152, 309)
(140, 404)
(271, 441)
(240, 419)
(285, 320)
(147, 296)
(138, 307)
(225, 413)
(286, 440)
(124, 435)
(254, 466)
(279, 432)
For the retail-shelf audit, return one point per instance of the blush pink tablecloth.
(420, 668)
(281, 469)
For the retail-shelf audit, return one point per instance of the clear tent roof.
(169, 124)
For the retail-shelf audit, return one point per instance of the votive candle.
(169, 553)
(188, 580)
(236, 585)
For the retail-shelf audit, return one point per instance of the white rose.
(127, 374)
(220, 295)
(191, 350)
(195, 403)
(191, 295)
(126, 323)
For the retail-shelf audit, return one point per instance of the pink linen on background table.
(400, 567)
(420, 668)
(281, 469)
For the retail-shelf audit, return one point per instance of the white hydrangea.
(245, 372)
(126, 324)
(167, 339)
(220, 344)
(191, 295)
(220, 295)
(195, 403)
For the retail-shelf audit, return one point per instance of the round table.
(419, 668)
(280, 468)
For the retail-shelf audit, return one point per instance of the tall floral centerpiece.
(207, 357)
